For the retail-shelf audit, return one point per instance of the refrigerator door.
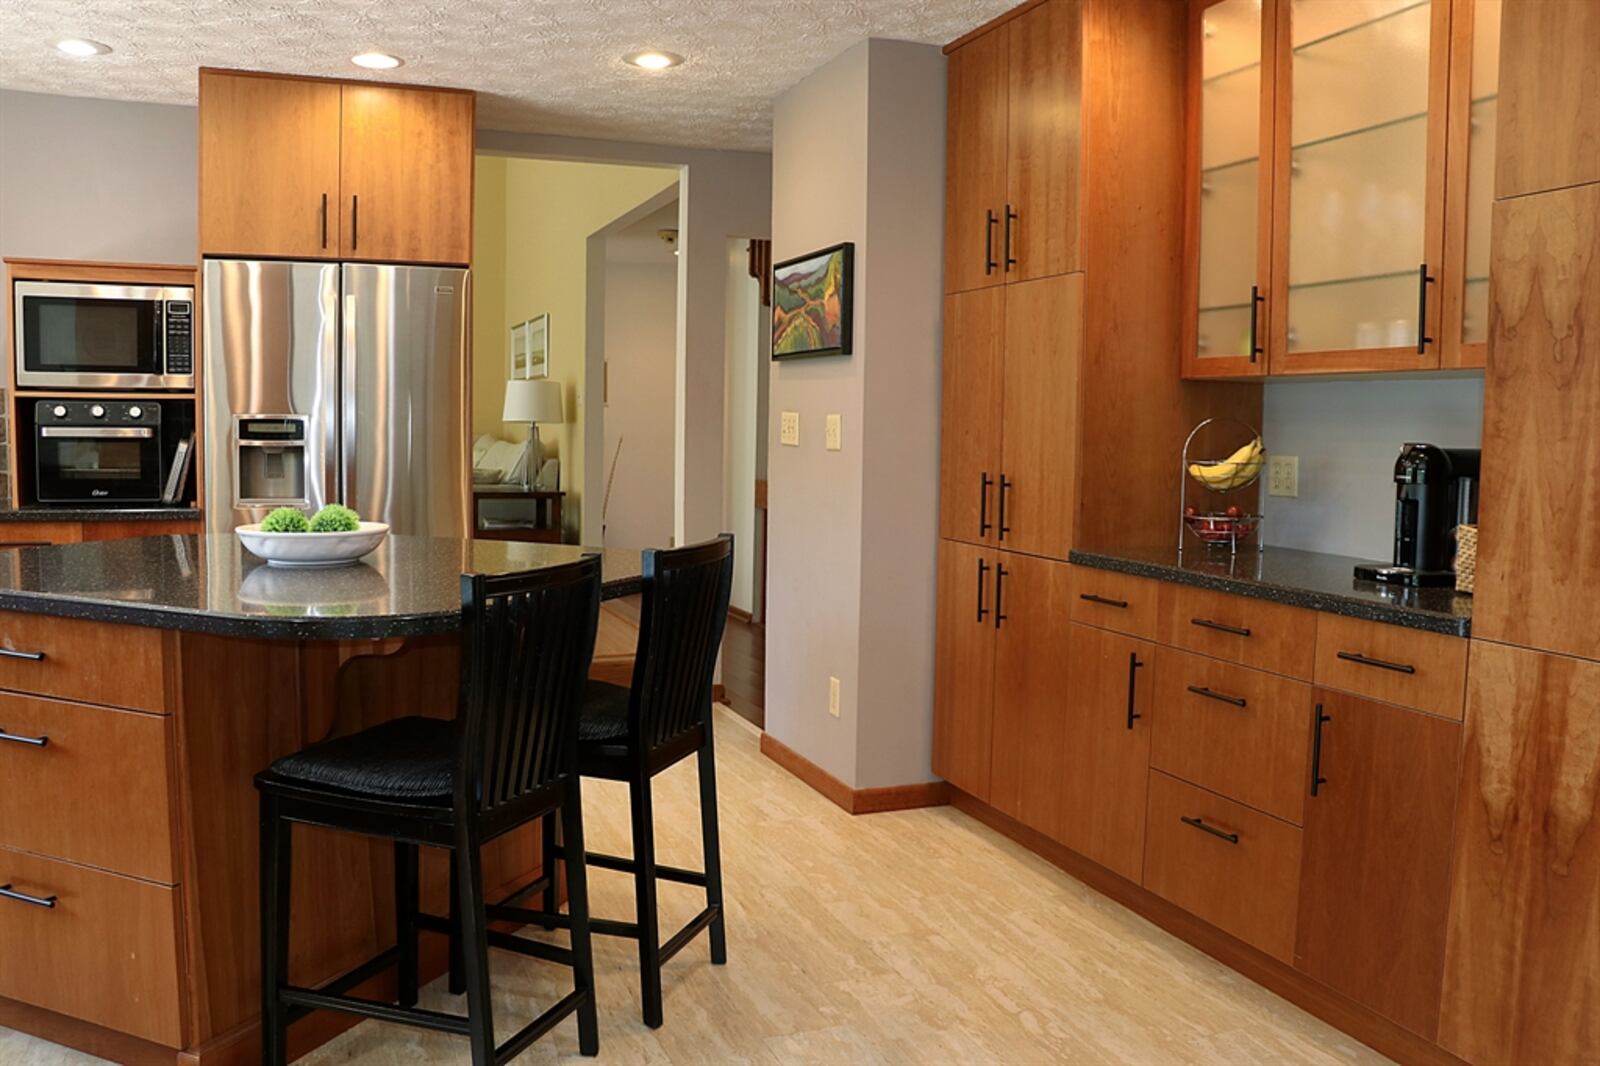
(271, 362)
(403, 396)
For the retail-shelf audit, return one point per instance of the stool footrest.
(383, 1012)
(539, 1026)
(687, 933)
(345, 981)
(500, 912)
(627, 865)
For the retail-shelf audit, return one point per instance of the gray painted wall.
(1347, 434)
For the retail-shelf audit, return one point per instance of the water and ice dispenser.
(270, 456)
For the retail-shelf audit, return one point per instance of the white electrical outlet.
(789, 429)
(1283, 475)
(833, 433)
(833, 696)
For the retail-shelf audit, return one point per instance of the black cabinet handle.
(1011, 216)
(31, 656)
(355, 216)
(1133, 678)
(1000, 573)
(1256, 300)
(1317, 780)
(1220, 697)
(989, 223)
(983, 568)
(1103, 600)
(1381, 664)
(35, 742)
(1424, 279)
(1199, 823)
(1221, 627)
(47, 902)
(324, 220)
(1005, 486)
(984, 525)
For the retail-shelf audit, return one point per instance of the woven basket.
(1466, 557)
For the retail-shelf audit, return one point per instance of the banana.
(1230, 473)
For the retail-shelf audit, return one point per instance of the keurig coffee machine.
(1436, 489)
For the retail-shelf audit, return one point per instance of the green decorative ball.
(285, 520)
(335, 518)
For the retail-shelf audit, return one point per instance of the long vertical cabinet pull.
(324, 220)
(1005, 486)
(1133, 680)
(1424, 279)
(989, 223)
(984, 525)
(355, 215)
(983, 568)
(1000, 573)
(1011, 216)
(1317, 780)
(1256, 300)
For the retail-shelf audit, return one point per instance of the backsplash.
(1347, 435)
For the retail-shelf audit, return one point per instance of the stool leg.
(458, 978)
(578, 909)
(644, 887)
(475, 951)
(405, 919)
(712, 839)
(275, 869)
(552, 898)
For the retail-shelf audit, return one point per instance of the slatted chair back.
(527, 641)
(683, 614)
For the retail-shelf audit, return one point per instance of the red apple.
(1234, 512)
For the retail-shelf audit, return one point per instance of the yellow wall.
(543, 212)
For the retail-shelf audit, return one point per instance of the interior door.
(963, 701)
(975, 168)
(969, 430)
(1044, 128)
(403, 434)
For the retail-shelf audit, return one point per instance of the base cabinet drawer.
(1240, 629)
(1410, 667)
(1229, 865)
(86, 784)
(1120, 602)
(96, 662)
(90, 945)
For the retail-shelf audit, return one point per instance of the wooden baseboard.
(739, 614)
(1337, 1010)
(83, 1036)
(719, 693)
(854, 800)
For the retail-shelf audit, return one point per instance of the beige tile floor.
(910, 937)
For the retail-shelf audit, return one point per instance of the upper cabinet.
(310, 169)
(1011, 205)
(1331, 222)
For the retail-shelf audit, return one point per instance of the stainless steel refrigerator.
(336, 383)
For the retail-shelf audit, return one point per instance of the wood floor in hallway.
(909, 937)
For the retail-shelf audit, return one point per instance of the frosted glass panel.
(1228, 218)
(1369, 313)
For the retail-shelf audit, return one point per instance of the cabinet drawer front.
(91, 661)
(1116, 601)
(66, 765)
(1236, 731)
(1427, 671)
(1268, 636)
(1234, 867)
(105, 951)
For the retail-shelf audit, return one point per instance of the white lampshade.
(533, 401)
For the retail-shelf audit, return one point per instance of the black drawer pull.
(1232, 838)
(989, 223)
(1317, 780)
(1133, 679)
(47, 902)
(31, 656)
(1201, 690)
(1106, 601)
(1000, 574)
(1381, 664)
(984, 525)
(1221, 627)
(1006, 484)
(1011, 216)
(983, 568)
(34, 742)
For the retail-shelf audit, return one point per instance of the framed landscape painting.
(811, 303)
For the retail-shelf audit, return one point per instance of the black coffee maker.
(1436, 489)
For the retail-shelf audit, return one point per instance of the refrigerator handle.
(347, 405)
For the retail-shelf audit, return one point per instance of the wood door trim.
(274, 76)
(1456, 352)
(854, 800)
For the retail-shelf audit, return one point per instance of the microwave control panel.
(180, 336)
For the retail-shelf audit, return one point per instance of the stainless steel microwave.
(72, 335)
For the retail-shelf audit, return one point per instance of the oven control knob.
(136, 412)
(97, 411)
(59, 411)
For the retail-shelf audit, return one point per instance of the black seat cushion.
(410, 759)
(605, 714)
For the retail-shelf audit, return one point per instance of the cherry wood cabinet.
(1550, 60)
(308, 168)
(969, 429)
(963, 704)
(1469, 180)
(975, 168)
(1105, 763)
(1375, 855)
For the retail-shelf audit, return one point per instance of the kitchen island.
(143, 683)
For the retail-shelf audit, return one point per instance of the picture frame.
(529, 354)
(813, 305)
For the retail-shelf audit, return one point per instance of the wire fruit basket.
(1225, 527)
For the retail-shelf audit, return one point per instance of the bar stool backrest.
(684, 612)
(527, 640)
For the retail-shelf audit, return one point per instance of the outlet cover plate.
(1283, 475)
(833, 433)
(789, 429)
(833, 696)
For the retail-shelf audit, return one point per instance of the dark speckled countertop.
(1298, 578)
(210, 584)
(41, 513)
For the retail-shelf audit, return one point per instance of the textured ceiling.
(545, 66)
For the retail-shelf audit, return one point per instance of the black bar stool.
(509, 757)
(633, 734)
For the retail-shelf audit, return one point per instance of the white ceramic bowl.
(312, 549)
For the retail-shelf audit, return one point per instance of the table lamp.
(532, 402)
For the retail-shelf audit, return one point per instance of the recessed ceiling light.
(82, 48)
(653, 60)
(377, 60)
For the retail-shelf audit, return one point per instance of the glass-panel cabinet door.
(1230, 198)
(1474, 88)
(1359, 220)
